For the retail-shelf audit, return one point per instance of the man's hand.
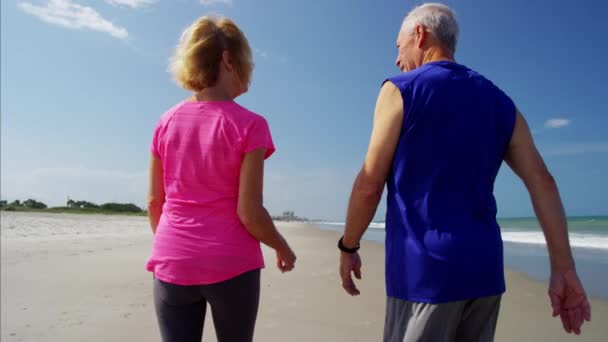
(350, 263)
(568, 300)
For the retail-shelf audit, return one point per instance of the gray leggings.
(234, 306)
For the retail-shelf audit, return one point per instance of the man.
(441, 132)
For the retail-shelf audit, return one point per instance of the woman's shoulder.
(242, 114)
(169, 113)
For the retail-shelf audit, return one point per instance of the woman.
(205, 200)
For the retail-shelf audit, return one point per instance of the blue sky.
(84, 82)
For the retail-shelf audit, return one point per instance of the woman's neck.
(213, 94)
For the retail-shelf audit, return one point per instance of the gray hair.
(438, 18)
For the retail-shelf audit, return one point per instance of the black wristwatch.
(346, 249)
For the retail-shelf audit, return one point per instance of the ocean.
(525, 248)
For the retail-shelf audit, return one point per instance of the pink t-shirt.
(200, 239)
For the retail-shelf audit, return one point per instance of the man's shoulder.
(481, 78)
(407, 77)
(430, 72)
(431, 75)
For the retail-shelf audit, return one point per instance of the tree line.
(71, 205)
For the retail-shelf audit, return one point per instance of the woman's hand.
(286, 258)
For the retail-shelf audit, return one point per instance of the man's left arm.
(369, 184)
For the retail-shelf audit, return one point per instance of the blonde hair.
(195, 65)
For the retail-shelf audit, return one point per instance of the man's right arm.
(566, 293)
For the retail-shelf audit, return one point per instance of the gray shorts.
(469, 320)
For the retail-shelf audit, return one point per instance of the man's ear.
(421, 35)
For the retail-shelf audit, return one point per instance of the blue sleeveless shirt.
(442, 240)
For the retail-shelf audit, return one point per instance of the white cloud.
(73, 16)
(268, 56)
(131, 3)
(557, 123)
(261, 53)
(216, 2)
(574, 149)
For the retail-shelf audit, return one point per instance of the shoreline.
(88, 282)
(508, 270)
(307, 224)
(529, 255)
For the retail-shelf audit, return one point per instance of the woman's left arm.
(156, 192)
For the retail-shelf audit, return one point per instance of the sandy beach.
(82, 278)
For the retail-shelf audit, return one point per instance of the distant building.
(289, 216)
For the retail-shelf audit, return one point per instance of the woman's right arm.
(156, 192)
(252, 213)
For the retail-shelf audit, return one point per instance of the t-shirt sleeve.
(258, 136)
(154, 146)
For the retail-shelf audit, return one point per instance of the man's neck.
(436, 55)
